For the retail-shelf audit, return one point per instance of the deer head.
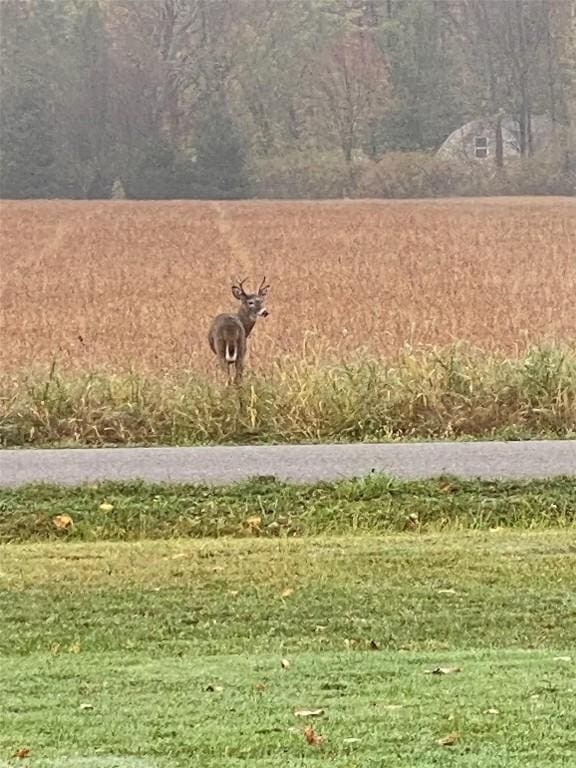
(252, 303)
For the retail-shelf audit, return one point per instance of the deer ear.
(237, 292)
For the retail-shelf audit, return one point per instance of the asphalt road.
(223, 464)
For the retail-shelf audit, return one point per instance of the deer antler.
(263, 285)
(240, 285)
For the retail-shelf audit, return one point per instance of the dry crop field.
(112, 285)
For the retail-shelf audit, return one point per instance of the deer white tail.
(231, 353)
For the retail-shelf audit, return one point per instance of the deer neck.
(247, 319)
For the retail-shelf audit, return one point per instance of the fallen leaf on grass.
(214, 688)
(412, 521)
(446, 591)
(62, 521)
(562, 658)
(22, 752)
(443, 670)
(351, 740)
(449, 740)
(492, 711)
(312, 737)
(318, 712)
(259, 686)
(284, 663)
(287, 592)
(86, 706)
(106, 506)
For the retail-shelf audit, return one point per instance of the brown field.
(120, 284)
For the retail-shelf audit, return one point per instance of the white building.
(475, 142)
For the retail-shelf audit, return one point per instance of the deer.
(228, 332)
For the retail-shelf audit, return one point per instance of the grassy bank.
(270, 509)
(449, 393)
(168, 654)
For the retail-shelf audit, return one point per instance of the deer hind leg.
(224, 365)
(222, 353)
(239, 367)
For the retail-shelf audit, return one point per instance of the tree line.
(306, 98)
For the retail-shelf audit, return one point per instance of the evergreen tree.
(160, 173)
(28, 146)
(220, 168)
(428, 98)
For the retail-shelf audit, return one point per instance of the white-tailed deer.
(228, 332)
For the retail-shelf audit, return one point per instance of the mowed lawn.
(182, 653)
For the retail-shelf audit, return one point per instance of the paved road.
(537, 459)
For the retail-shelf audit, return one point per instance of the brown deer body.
(228, 333)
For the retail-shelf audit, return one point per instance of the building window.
(480, 146)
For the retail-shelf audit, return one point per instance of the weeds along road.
(303, 463)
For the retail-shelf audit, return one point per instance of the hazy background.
(274, 98)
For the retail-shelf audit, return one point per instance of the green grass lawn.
(509, 708)
(168, 653)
